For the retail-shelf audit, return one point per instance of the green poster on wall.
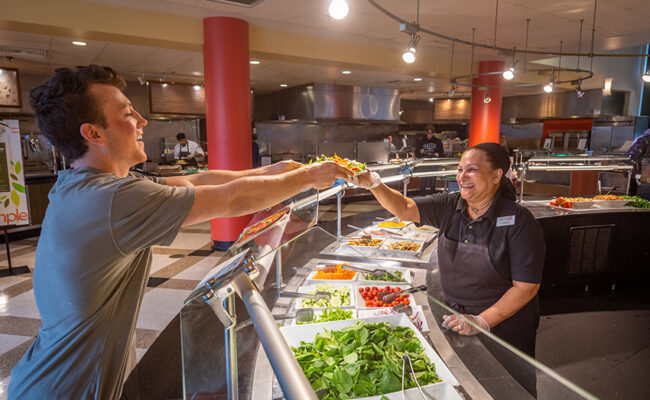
(4, 171)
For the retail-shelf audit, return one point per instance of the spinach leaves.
(363, 360)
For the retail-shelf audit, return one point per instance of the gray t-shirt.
(90, 274)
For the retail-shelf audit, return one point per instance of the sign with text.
(14, 209)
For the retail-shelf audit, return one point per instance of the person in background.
(429, 147)
(639, 150)
(503, 142)
(491, 252)
(186, 148)
(94, 254)
(256, 152)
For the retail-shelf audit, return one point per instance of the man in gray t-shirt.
(94, 253)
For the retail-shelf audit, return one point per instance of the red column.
(485, 120)
(228, 109)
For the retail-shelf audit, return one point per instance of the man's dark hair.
(64, 103)
(180, 136)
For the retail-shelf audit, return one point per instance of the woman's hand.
(366, 179)
(460, 324)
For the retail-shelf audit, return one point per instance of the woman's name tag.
(506, 221)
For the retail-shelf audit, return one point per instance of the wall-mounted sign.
(9, 88)
(14, 209)
(176, 98)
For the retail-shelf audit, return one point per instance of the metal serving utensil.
(302, 315)
(403, 308)
(388, 297)
(316, 296)
(405, 359)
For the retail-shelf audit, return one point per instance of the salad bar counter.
(352, 323)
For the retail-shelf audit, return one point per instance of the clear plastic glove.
(366, 180)
(460, 325)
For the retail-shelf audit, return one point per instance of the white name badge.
(506, 221)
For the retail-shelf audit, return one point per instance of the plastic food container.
(444, 390)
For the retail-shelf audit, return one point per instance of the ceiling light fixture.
(79, 43)
(346, 72)
(141, 79)
(339, 9)
(409, 54)
(430, 99)
(254, 62)
(579, 92)
(164, 85)
(283, 85)
(548, 88)
(509, 74)
(198, 87)
(646, 76)
(487, 98)
(417, 79)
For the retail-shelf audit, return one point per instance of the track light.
(509, 74)
(339, 9)
(452, 92)
(141, 79)
(579, 91)
(487, 98)
(548, 88)
(409, 54)
(430, 99)
(646, 76)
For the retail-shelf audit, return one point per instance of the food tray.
(363, 250)
(318, 312)
(394, 229)
(335, 284)
(401, 253)
(418, 318)
(416, 234)
(406, 274)
(310, 277)
(293, 335)
(361, 303)
(611, 203)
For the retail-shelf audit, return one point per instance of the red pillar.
(485, 120)
(228, 109)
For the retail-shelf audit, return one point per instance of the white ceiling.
(619, 24)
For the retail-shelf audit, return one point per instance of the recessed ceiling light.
(283, 85)
(417, 79)
(254, 62)
(346, 72)
(79, 43)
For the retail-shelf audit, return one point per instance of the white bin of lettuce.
(345, 369)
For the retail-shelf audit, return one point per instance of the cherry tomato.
(406, 302)
(374, 288)
(367, 289)
(360, 290)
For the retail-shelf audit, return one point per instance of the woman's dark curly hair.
(64, 103)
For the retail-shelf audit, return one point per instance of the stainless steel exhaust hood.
(563, 105)
(326, 101)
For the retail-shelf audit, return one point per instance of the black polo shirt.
(514, 239)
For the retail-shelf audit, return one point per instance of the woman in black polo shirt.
(490, 249)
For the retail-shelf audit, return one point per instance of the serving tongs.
(319, 295)
(405, 359)
(388, 297)
(332, 268)
(303, 315)
(403, 308)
